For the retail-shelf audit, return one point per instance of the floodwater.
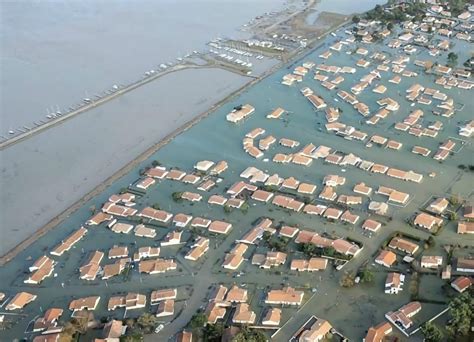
(216, 139)
(56, 53)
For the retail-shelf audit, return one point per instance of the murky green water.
(216, 139)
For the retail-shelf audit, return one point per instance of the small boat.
(11, 132)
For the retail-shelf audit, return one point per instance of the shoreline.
(55, 221)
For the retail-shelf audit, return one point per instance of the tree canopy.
(457, 6)
(452, 59)
(431, 332)
(198, 320)
(367, 276)
(461, 315)
(147, 322)
(249, 335)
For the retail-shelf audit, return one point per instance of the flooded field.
(350, 311)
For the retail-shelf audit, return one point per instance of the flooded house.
(239, 113)
(220, 227)
(69, 242)
(20, 300)
(158, 296)
(377, 333)
(403, 245)
(84, 303)
(310, 265)
(386, 258)
(462, 283)
(156, 266)
(234, 259)
(431, 261)
(272, 317)
(285, 296)
(394, 283)
(427, 221)
(403, 315)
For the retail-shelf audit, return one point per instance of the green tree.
(430, 242)
(389, 26)
(414, 285)
(213, 332)
(198, 320)
(455, 199)
(452, 59)
(266, 236)
(329, 251)
(355, 19)
(456, 6)
(308, 249)
(134, 337)
(147, 322)
(367, 276)
(431, 332)
(244, 208)
(378, 10)
(461, 315)
(177, 196)
(452, 216)
(249, 335)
